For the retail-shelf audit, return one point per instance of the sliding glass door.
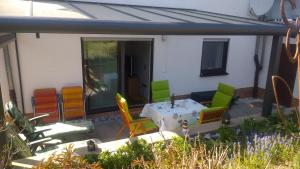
(100, 64)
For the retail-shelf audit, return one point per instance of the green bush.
(125, 155)
(66, 160)
(91, 158)
(227, 134)
(295, 164)
(248, 125)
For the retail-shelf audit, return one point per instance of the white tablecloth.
(167, 118)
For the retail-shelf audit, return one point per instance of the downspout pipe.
(258, 60)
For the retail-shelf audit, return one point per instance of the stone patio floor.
(108, 124)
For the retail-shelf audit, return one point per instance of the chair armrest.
(33, 145)
(206, 103)
(40, 141)
(38, 119)
(36, 134)
(213, 109)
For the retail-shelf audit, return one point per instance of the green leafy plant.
(295, 164)
(66, 160)
(227, 134)
(91, 158)
(248, 125)
(124, 156)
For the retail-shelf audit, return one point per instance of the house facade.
(104, 64)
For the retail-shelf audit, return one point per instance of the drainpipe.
(258, 60)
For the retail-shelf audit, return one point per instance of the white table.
(167, 118)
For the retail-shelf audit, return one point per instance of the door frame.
(119, 71)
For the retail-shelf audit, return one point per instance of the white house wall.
(3, 79)
(54, 60)
(51, 61)
(15, 72)
(265, 67)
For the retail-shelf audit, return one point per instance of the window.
(214, 57)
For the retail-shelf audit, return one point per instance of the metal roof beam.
(55, 25)
(123, 12)
(228, 17)
(193, 16)
(80, 10)
(167, 16)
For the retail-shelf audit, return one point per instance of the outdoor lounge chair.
(30, 129)
(135, 126)
(46, 101)
(23, 149)
(160, 91)
(72, 103)
(220, 104)
(19, 146)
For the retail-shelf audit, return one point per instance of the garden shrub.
(66, 160)
(295, 164)
(125, 155)
(227, 134)
(269, 151)
(91, 158)
(248, 125)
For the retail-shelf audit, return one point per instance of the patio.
(81, 21)
(108, 124)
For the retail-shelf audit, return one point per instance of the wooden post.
(273, 70)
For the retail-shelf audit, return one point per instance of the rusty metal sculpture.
(293, 26)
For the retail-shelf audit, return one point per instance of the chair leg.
(120, 131)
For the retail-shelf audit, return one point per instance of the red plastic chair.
(45, 101)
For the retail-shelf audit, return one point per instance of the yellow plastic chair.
(72, 103)
(135, 126)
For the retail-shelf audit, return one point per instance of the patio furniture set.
(35, 132)
(162, 115)
(159, 115)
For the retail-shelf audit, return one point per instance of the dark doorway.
(288, 72)
(111, 66)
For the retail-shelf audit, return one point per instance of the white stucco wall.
(3, 79)
(264, 72)
(15, 72)
(178, 59)
(51, 61)
(54, 60)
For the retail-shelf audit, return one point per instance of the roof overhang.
(87, 16)
(93, 26)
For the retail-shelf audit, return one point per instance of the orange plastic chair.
(44, 101)
(72, 103)
(136, 127)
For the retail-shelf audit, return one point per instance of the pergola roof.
(75, 16)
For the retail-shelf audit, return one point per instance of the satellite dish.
(260, 7)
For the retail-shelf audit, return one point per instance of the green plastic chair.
(23, 149)
(160, 91)
(220, 104)
(226, 89)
